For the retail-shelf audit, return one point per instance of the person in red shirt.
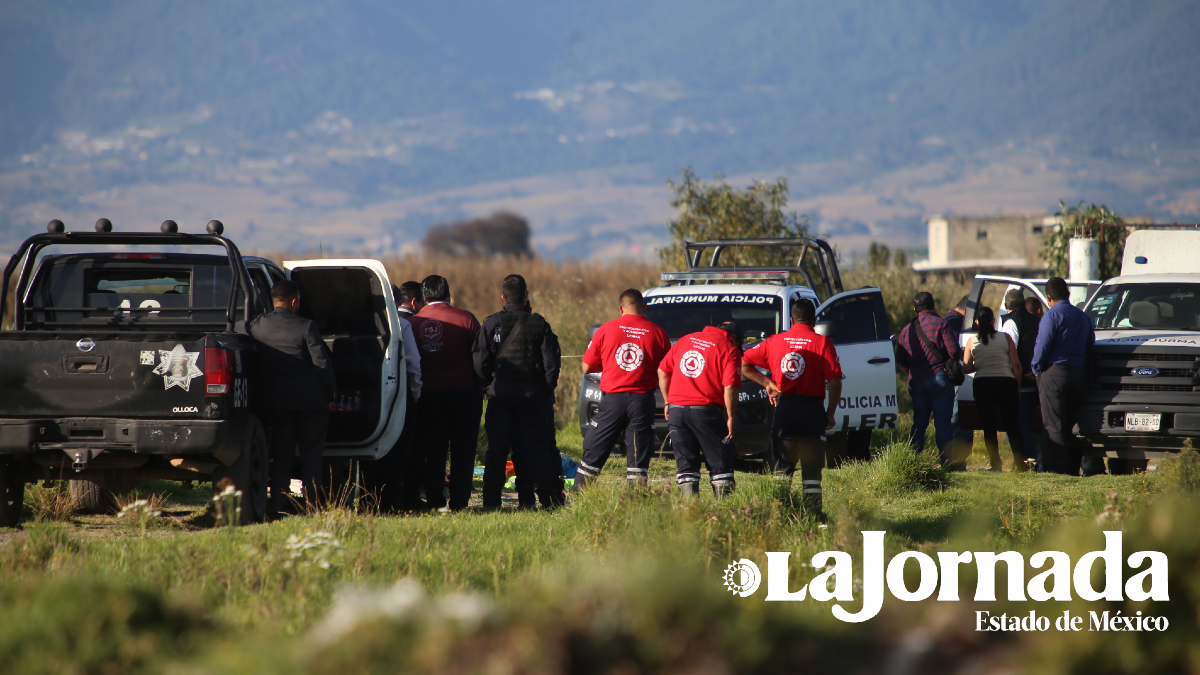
(802, 365)
(699, 379)
(628, 350)
(451, 400)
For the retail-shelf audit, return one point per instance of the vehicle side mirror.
(826, 328)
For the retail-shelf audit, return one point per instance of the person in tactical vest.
(1022, 326)
(517, 355)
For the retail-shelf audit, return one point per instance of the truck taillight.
(218, 371)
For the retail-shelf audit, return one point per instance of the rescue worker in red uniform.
(700, 379)
(801, 365)
(628, 349)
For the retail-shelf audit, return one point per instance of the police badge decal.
(178, 367)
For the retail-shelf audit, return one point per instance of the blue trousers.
(935, 397)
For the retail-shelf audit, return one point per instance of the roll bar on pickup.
(27, 254)
(821, 251)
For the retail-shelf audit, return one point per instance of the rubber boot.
(690, 489)
(812, 506)
(635, 478)
(722, 491)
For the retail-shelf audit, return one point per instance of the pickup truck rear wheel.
(90, 498)
(249, 474)
(12, 495)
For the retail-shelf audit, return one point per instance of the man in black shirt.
(517, 354)
(298, 383)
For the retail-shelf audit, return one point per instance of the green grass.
(617, 577)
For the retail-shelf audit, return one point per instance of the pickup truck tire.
(90, 498)
(249, 474)
(1119, 466)
(12, 495)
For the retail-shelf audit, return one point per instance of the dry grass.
(54, 502)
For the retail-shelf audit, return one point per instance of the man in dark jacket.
(298, 383)
(517, 354)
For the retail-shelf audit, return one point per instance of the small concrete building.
(1010, 245)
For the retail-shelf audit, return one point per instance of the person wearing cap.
(804, 370)
(931, 389)
(1022, 326)
(699, 379)
(628, 350)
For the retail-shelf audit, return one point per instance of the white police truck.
(759, 300)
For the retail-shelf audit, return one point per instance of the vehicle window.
(276, 275)
(139, 282)
(1174, 306)
(757, 315)
(259, 277)
(343, 301)
(857, 318)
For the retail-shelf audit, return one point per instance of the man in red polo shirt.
(628, 350)
(451, 400)
(801, 363)
(699, 379)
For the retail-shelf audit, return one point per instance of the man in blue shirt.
(1064, 336)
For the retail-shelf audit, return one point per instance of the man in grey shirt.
(298, 384)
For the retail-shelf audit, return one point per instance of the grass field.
(618, 581)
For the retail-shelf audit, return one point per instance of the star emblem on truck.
(178, 367)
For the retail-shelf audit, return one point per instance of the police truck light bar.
(731, 275)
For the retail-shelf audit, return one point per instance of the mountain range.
(357, 124)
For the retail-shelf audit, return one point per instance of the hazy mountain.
(381, 99)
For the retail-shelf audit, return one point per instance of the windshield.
(757, 315)
(1146, 306)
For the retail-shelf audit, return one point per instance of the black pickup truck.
(124, 366)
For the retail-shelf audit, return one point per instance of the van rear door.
(856, 321)
(352, 303)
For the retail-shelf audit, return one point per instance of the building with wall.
(1008, 244)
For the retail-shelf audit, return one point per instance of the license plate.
(1142, 421)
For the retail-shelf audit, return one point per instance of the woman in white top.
(992, 356)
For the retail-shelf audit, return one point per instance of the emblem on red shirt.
(692, 364)
(792, 365)
(629, 356)
(431, 330)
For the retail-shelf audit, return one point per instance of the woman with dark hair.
(992, 356)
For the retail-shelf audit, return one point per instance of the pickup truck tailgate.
(55, 373)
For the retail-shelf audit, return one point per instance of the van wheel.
(12, 495)
(248, 474)
(90, 498)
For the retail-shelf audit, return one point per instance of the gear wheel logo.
(742, 577)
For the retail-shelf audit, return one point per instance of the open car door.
(856, 322)
(988, 291)
(351, 301)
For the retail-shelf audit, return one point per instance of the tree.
(719, 211)
(498, 235)
(1093, 222)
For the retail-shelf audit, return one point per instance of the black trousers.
(999, 398)
(292, 432)
(449, 423)
(632, 409)
(799, 417)
(1060, 388)
(388, 476)
(523, 428)
(699, 433)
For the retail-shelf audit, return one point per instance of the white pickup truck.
(1143, 394)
